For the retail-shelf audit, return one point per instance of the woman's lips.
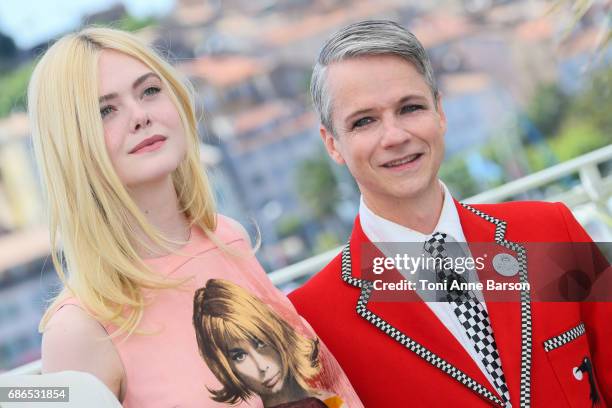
(271, 382)
(148, 145)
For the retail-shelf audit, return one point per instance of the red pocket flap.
(569, 356)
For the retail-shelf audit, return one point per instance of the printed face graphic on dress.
(257, 364)
(254, 352)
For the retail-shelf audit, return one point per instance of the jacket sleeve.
(596, 315)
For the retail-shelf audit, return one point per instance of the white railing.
(593, 188)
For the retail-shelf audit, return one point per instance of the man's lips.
(411, 158)
(147, 142)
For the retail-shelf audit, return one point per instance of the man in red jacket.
(381, 116)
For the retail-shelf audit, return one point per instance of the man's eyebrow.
(411, 97)
(358, 113)
(135, 85)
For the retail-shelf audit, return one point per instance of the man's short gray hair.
(370, 37)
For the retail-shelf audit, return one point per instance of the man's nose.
(394, 133)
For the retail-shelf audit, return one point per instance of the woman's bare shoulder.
(74, 340)
(239, 228)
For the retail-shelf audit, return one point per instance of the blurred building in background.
(522, 90)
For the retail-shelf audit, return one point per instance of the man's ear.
(440, 110)
(330, 143)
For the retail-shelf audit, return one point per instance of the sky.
(30, 22)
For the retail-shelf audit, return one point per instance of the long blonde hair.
(90, 211)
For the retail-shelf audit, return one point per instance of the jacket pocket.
(569, 356)
(564, 338)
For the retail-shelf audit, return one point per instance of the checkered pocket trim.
(564, 338)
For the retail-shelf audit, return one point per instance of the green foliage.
(13, 88)
(7, 47)
(129, 23)
(317, 185)
(536, 156)
(456, 175)
(574, 139)
(288, 225)
(547, 106)
(594, 103)
(575, 125)
(577, 138)
(325, 241)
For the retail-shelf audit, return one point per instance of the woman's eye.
(411, 108)
(258, 344)
(238, 356)
(152, 90)
(362, 122)
(106, 110)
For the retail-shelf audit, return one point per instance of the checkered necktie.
(471, 314)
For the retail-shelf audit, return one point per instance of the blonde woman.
(251, 350)
(132, 221)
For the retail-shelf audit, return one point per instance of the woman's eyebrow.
(143, 78)
(135, 85)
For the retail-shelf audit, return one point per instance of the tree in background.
(548, 104)
(13, 88)
(455, 173)
(593, 103)
(8, 49)
(317, 186)
(575, 126)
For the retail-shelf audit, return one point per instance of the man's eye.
(106, 110)
(152, 90)
(411, 108)
(362, 122)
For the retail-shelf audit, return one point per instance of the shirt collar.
(379, 229)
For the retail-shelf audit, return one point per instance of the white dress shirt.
(379, 229)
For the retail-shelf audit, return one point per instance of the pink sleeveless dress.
(166, 369)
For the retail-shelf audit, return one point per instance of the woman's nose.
(140, 118)
(261, 362)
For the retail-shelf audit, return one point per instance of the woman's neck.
(291, 391)
(159, 203)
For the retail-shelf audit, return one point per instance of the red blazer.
(398, 354)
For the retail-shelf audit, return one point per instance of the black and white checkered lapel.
(362, 309)
(520, 254)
